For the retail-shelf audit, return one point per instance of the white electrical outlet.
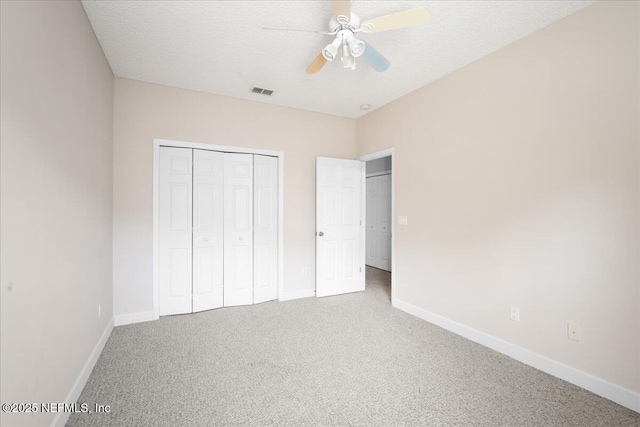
(403, 220)
(99, 310)
(304, 272)
(515, 314)
(573, 331)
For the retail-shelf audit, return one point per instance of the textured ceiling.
(220, 46)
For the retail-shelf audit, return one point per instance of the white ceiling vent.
(261, 91)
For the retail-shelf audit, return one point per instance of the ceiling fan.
(344, 25)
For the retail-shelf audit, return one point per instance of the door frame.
(157, 143)
(372, 156)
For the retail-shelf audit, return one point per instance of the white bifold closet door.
(371, 234)
(190, 230)
(265, 228)
(238, 229)
(218, 229)
(208, 233)
(379, 222)
(175, 216)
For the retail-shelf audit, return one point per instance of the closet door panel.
(208, 233)
(265, 234)
(174, 231)
(238, 229)
(384, 222)
(371, 229)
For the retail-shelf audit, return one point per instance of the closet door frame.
(157, 143)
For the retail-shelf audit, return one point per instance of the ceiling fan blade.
(395, 21)
(297, 30)
(316, 65)
(375, 58)
(341, 8)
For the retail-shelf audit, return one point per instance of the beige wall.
(56, 200)
(145, 111)
(520, 177)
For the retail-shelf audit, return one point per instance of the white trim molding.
(127, 319)
(74, 394)
(305, 293)
(157, 143)
(606, 389)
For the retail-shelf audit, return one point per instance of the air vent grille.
(261, 91)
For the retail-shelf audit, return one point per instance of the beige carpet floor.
(349, 360)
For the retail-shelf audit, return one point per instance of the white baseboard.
(606, 389)
(127, 319)
(305, 293)
(62, 417)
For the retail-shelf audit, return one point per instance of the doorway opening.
(379, 258)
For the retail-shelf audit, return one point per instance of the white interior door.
(174, 227)
(340, 256)
(238, 229)
(208, 178)
(265, 228)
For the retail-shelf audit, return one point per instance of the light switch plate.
(402, 220)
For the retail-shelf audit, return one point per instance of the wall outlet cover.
(403, 220)
(573, 331)
(515, 314)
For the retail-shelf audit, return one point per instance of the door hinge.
(360, 269)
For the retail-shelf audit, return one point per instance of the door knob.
(241, 238)
(206, 239)
(321, 234)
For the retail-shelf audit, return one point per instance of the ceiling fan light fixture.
(331, 50)
(348, 61)
(356, 47)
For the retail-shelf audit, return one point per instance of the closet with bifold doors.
(217, 229)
